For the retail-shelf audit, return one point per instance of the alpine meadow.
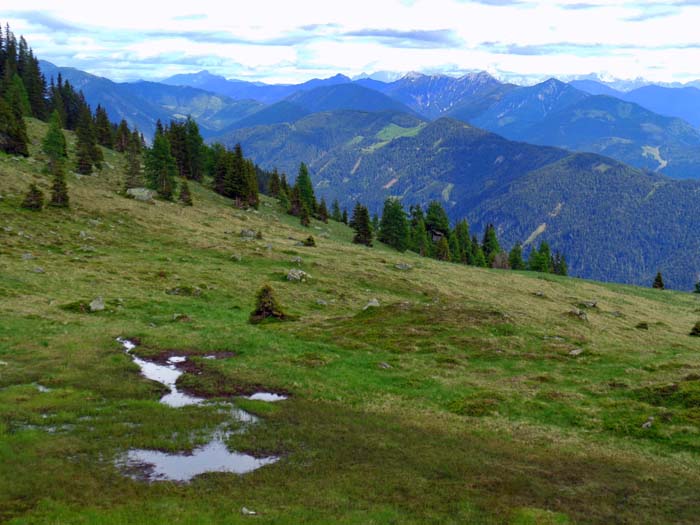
(296, 264)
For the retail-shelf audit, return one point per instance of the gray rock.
(39, 269)
(590, 304)
(97, 304)
(321, 302)
(576, 352)
(403, 266)
(373, 303)
(141, 194)
(248, 234)
(236, 257)
(248, 512)
(27, 257)
(579, 314)
(649, 422)
(296, 260)
(384, 366)
(299, 276)
(538, 294)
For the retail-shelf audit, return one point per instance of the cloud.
(39, 19)
(411, 38)
(190, 17)
(579, 6)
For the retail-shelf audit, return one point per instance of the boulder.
(373, 303)
(298, 276)
(296, 260)
(141, 194)
(97, 304)
(403, 266)
(248, 234)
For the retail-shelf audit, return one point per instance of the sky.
(291, 41)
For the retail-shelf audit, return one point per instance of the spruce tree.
(134, 177)
(442, 249)
(490, 243)
(515, 257)
(306, 189)
(16, 96)
(361, 224)
(336, 214)
(34, 200)
(559, 264)
(658, 282)
(461, 233)
(296, 205)
(194, 151)
(540, 260)
(122, 138)
(455, 250)
(697, 287)
(54, 143)
(304, 215)
(89, 153)
(185, 196)
(59, 189)
(420, 243)
(344, 217)
(103, 128)
(283, 199)
(274, 186)
(436, 220)
(478, 254)
(322, 212)
(393, 228)
(266, 306)
(13, 132)
(161, 168)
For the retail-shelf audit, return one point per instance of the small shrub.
(267, 307)
(642, 326)
(259, 235)
(34, 200)
(309, 241)
(695, 332)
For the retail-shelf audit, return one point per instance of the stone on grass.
(296, 260)
(384, 366)
(649, 422)
(248, 234)
(321, 302)
(576, 352)
(141, 194)
(247, 512)
(236, 257)
(27, 257)
(403, 266)
(298, 276)
(39, 269)
(579, 314)
(373, 303)
(97, 304)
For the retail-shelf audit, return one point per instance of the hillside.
(467, 396)
(356, 156)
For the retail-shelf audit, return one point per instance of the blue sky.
(283, 41)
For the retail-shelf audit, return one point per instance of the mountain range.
(581, 165)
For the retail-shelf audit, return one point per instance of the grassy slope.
(482, 417)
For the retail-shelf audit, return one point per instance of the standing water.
(212, 457)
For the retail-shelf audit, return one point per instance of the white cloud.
(275, 40)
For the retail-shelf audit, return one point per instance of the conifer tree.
(284, 185)
(442, 249)
(34, 200)
(59, 189)
(266, 306)
(393, 228)
(103, 128)
(296, 205)
(54, 143)
(490, 243)
(697, 287)
(161, 168)
(478, 254)
(283, 199)
(436, 220)
(274, 186)
(134, 178)
(322, 212)
(185, 196)
(375, 223)
(658, 282)
(122, 138)
(304, 215)
(463, 242)
(344, 218)
(540, 260)
(559, 266)
(306, 189)
(336, 214)
(194, 151)
(88, 151)
(420, 243)
(361, 224)
(455, 250)
(515, 258)
(13, 132)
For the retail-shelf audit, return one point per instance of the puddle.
(165, 375)
(269, 397)
(212, 457)
(155, 465)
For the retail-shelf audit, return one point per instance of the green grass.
(456, 401)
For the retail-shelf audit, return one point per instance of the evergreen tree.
(16, 96)
(420, 243)
(54, 143)
(336, 214)
(185, 196)
(34, 200)
(296, 205)
(361, 224)
(89, 153)
(455, 250)
(442, 249)
(344, 218)
(478, 254)
(559, 266)
(221, 165)
(274, 187)
(13, 132)
(194, 151)
(658, 282)
(436, 220)
(283, 199)
(160, 167)
(304, 215)
(463, 242)
(266, 307)
(122, 138)
(490, 243)
(375, 223)
(59, 189)
(134, 177)
(306, 189)
(697, 287)
(541, 260)
(284, 185)
(515, 258)
(103, 128)
(393, 228)
(322, 212)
